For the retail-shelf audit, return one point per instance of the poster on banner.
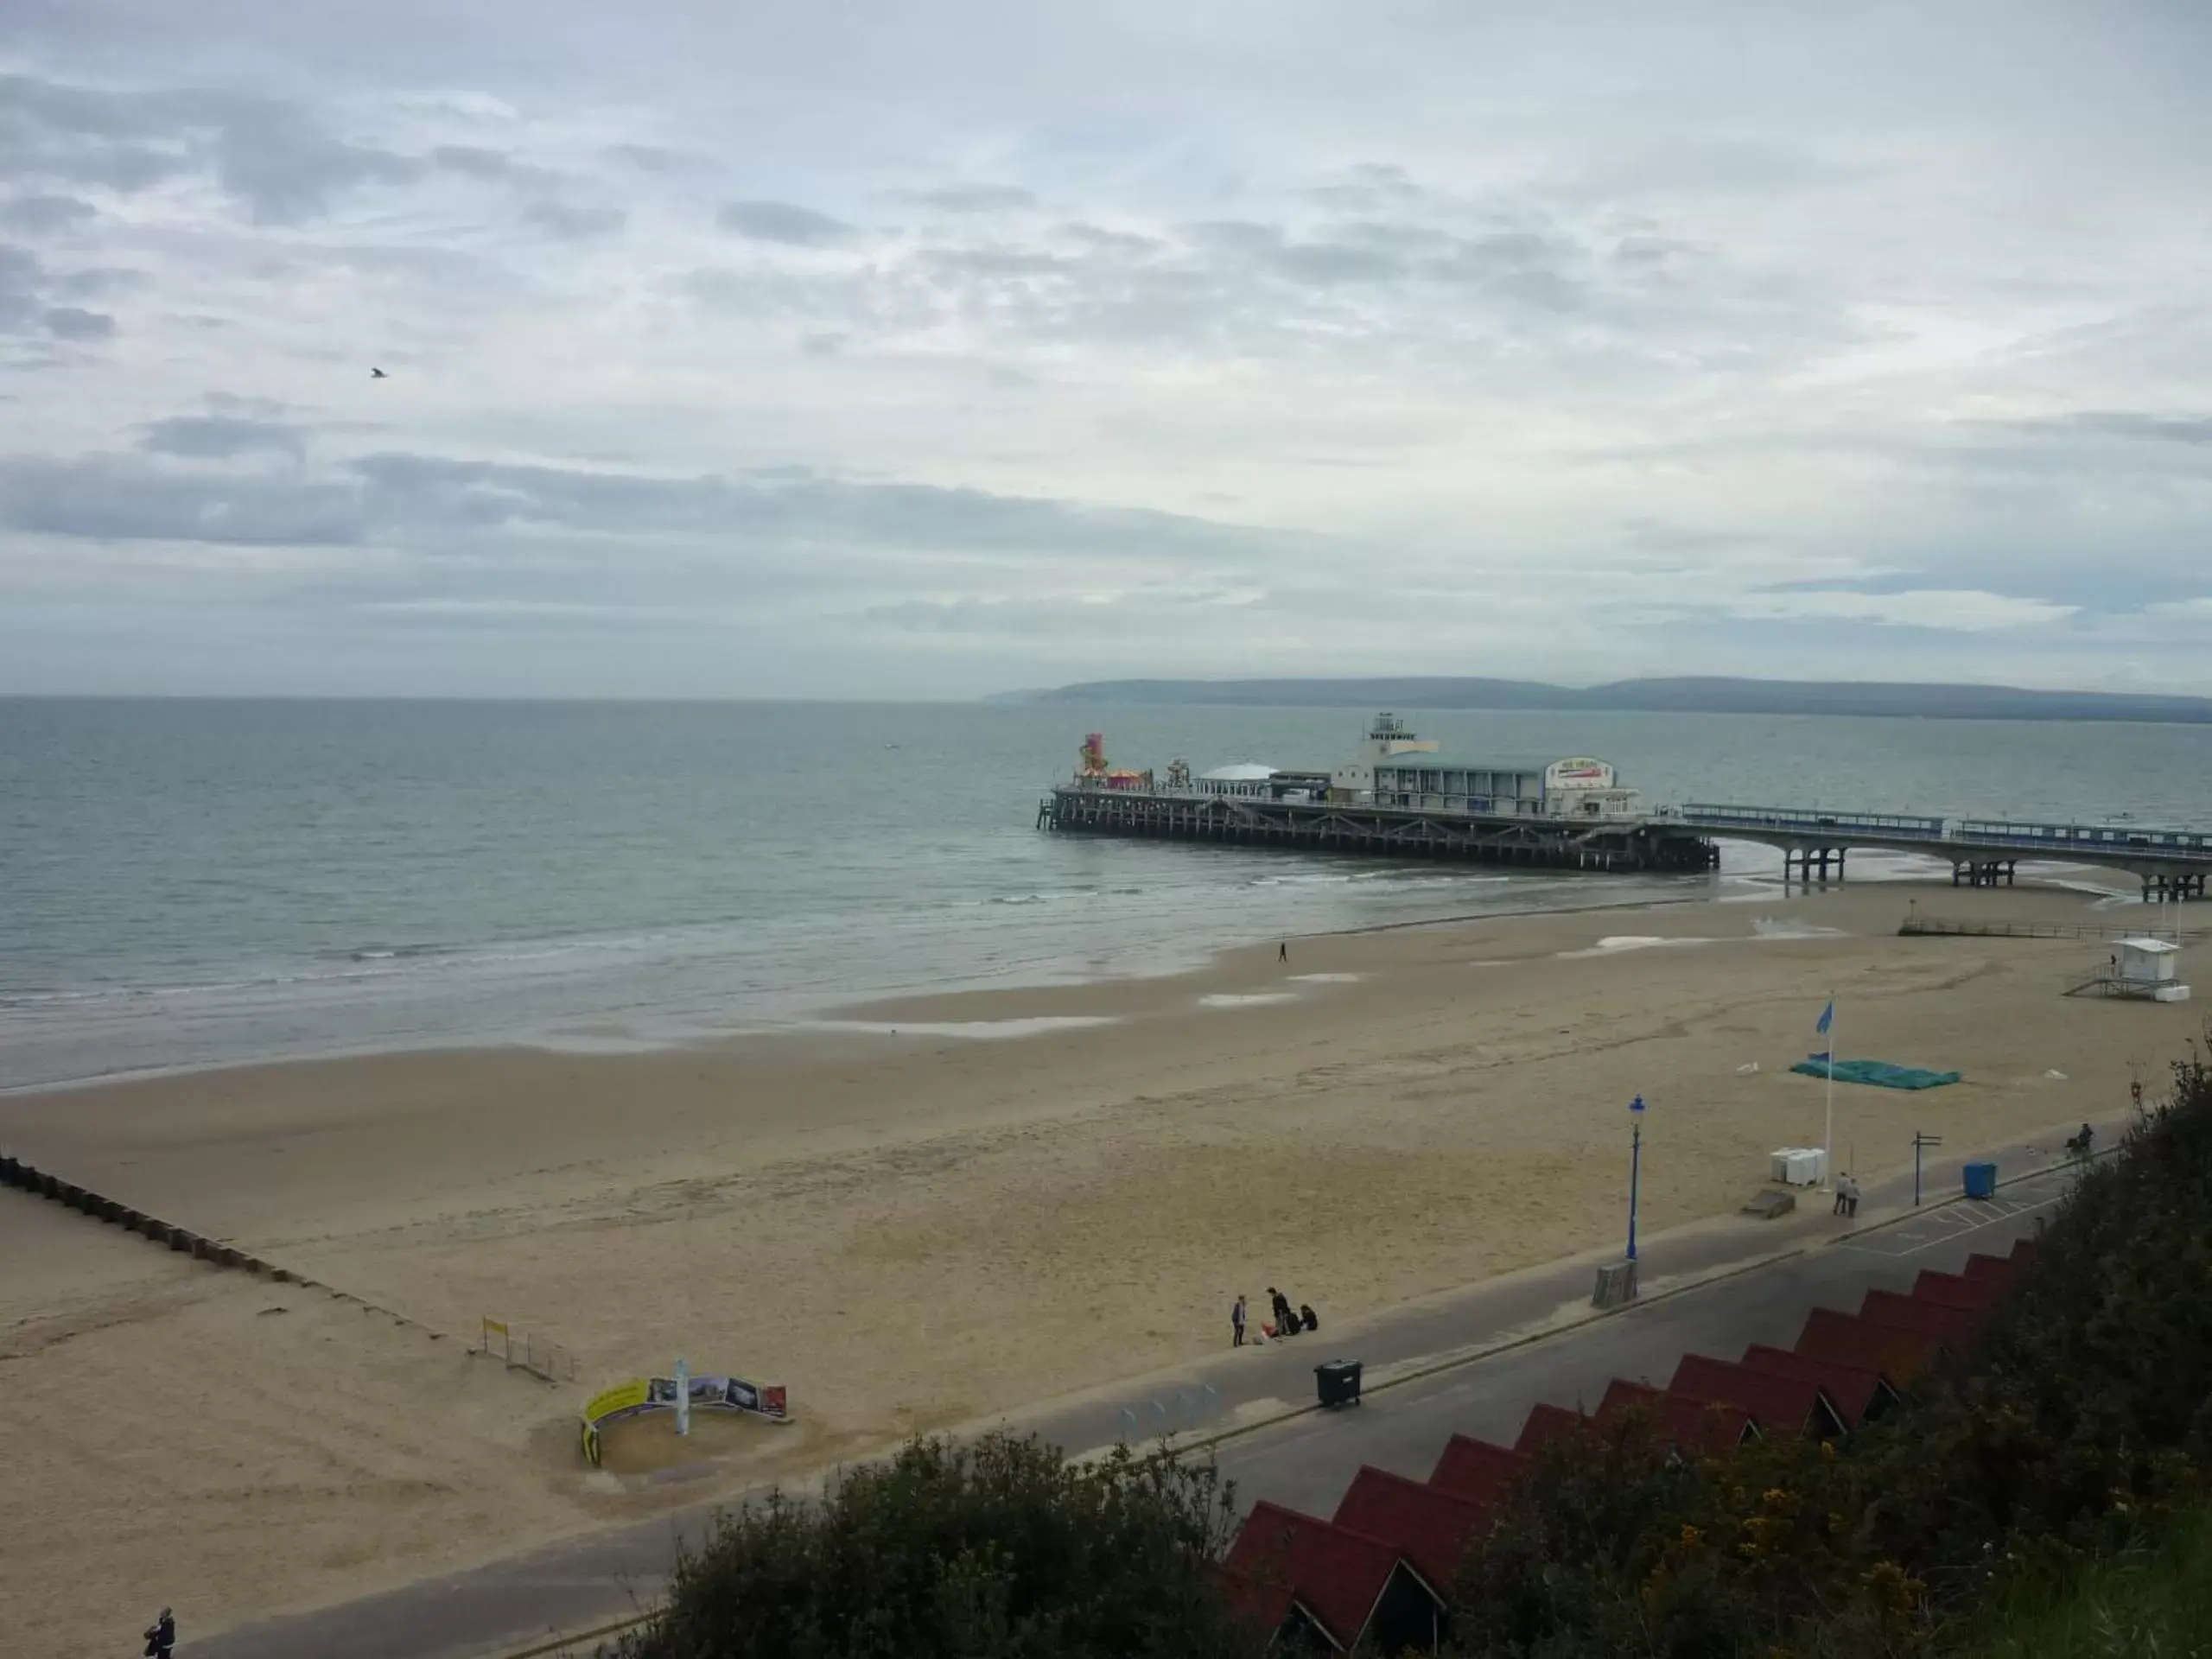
(646, 1394)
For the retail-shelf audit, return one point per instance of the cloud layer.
(943, 351)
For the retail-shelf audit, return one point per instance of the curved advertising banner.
(643, 1394)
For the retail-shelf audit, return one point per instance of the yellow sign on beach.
(623, 1396)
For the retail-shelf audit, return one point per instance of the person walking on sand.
(1282, 952)
(1236, 1323)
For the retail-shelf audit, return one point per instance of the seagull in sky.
(378, 374)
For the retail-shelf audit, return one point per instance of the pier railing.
(2078, 837)
(1958, 927)
(1783, 820)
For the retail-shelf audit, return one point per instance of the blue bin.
(1981, 1180)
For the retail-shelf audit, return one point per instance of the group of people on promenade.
(1846, 1194)
(1285, 1322)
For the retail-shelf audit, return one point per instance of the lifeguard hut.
(2147, 970)
(2150, 968)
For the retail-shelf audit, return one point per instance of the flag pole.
(1828, 1143)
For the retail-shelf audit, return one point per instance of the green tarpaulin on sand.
(1878, 1073)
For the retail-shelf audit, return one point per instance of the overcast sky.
(931, 348)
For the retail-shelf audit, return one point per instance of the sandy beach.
(927, 1211)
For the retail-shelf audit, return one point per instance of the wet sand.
(930, 1211)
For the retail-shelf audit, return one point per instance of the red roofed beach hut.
(1343, 1586)
(1779, 1405)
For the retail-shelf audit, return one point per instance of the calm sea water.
(188, 883)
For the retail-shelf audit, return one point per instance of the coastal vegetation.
(2052, 1478)
(996, 1549)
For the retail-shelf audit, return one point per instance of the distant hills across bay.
(1697, 694)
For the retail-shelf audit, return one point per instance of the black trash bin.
(1337, 1382)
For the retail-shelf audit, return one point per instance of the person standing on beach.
(1236, 1323)
(1282, 952)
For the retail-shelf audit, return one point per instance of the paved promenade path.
(1471, 1361)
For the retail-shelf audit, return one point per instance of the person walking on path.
(160, 1636)
(1236, 1323)
(1847, 1192)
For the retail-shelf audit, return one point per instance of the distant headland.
(1698, 695)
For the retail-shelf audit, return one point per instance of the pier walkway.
(1983, 852)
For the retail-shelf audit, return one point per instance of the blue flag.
(1826, 1019)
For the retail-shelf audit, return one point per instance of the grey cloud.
(1316, 262)
(73, 323)
(783, 221)
(91, 284)
(399, 496)
(974, 198)
(423, 490)
(232, 402)
(1336, 261)
(1371, 186)
(474, 161)
(996, 262)
(284, 169)
(654, 158)
(278, 162)
(204, 438)
(26, 290)
(1113, 241)
(1546, 290)
(120, 497)
(2123, 423)
(577, 224)
(43, 215)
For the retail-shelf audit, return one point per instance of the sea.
(190, 883)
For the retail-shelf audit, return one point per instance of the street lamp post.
(1634, 1166)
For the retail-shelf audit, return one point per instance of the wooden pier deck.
(1601, 844)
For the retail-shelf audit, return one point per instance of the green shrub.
(994, 1549)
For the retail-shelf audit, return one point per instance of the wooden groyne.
(1528, 839)
(15, 1172)
(27, 1177)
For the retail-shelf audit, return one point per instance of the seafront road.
(1472, 1361)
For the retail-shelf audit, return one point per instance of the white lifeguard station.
(2150, 968)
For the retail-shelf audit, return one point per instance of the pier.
(1398, 798)
(2171, 864)
(1619, 845)
(1814, 845)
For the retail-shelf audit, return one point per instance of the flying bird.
(378, 374)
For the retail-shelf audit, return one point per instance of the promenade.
(1473, 1360)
